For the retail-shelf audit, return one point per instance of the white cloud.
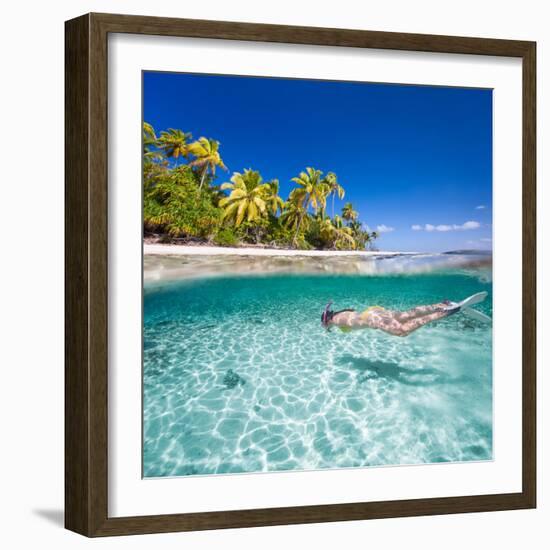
(486, 240)
(384, 228)
(447, 227)
(468, 225)
(481, 207)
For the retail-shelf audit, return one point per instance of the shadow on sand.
(368, 369)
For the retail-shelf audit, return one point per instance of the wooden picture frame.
(86, 282)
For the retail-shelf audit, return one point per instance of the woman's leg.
(393, 325)
(415, 312)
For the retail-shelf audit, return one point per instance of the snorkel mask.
(327, 315)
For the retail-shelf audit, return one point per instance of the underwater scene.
(241, 376)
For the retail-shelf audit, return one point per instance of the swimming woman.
(400, 323)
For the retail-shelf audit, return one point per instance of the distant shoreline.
(158, 249)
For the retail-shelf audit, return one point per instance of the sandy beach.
(186, 250)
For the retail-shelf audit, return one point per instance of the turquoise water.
(239, 376)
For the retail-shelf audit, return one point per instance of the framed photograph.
(300, 275)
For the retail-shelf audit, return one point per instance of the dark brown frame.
(86, 274)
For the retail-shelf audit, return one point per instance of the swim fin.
(477, 315)
(473, 299)
(455, 307)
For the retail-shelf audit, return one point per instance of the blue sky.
(415, 161)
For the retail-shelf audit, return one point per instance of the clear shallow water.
(239, 376)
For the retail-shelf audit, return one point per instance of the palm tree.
(273, 201)
(348, 213)
(334, 188)
(246, 199)
(174, 143)
(154, 165)
(149, 139)
(295, 216)
(343, 234)
(207, 157)
(337, 222)
(344, 237)
(356, 226)
(311, 191)
(326, 230)
(336, 233)
(360, 234)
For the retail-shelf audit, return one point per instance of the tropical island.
(184, 204)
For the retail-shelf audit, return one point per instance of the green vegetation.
(182, 202)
